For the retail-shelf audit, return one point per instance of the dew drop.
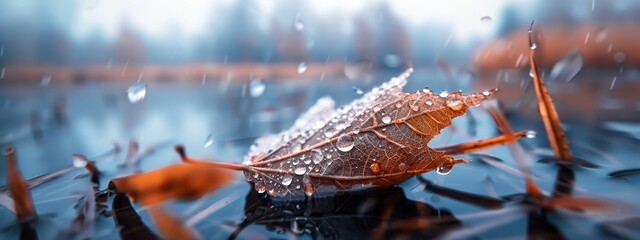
(486, 93)
(79, 162)
(402, 167)
(444, 94)
(454, 104)
(345, 143)
(137, 92)
(426, 90)
(300, 170)
(443, 170)
(287, 179)
(530, 134)
(329, 132)
(316, 156)
(208, 141)
(295, 161)
(375, 168)
(260, 187)
(429, 102)
(486, 20)
(531, 74)
(256, 87)
(398, 104)
(533, 46)
(302, 67)
(386, 119)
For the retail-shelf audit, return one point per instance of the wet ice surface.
(97, 117)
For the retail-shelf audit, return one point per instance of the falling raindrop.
(137, 92)
(530, 134)
(302, 67)
(316, 156)
(256, 87)
(443, 170)
(358, 69)
(568, 67)
(358, 90)
(79, 162)
(386, 119)
(444, 94)
(619, 57)
(208, 141)
(345, 143)
(300, 170)
(298, 24)
(486, 20)
(46, 79)
(287, 179)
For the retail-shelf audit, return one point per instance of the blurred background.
(83, 76)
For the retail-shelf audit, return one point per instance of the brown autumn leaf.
(23, 203)
(378, 140)
(180, 181)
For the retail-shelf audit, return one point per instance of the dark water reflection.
(473, 200)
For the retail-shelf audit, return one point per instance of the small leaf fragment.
(23, 203)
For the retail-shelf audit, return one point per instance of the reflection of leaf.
(378, 140)
(131, 226)
(170, 227)
(348, 215)
(184, 181)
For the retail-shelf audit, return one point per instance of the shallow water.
(96, 117)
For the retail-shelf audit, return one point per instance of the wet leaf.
(180, 181)
(552, 123)
(22, 201)
(378, 140)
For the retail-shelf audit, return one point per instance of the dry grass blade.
(480, 145)
(552, 123)
(170, 227)
(22, 200)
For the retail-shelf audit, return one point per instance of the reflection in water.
(353, 215)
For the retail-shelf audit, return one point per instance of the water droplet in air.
(530, 134)
(567, 67)
(79, 162)
(316, 156)
(444, 93)
(46, 79)
(386, 119)
(358, 91)
(375, 168)
(300, 170)
(299, 25)
(619, 57)
(260, 187)
(443, 170)
(287, 179)
(208, 141)
(486, 20)
(392, 60)
(302, 67)
(345, 143)
(256, 87)
(137, 92)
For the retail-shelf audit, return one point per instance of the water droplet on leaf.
(287, 179)
(316, 156)
(530, 134)
(386, 119)
(444, 94)
(260, 187)
(345, 143)
(300, 170)
(443, 170)
(454, 104)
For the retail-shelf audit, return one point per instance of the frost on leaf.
(378, 140)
